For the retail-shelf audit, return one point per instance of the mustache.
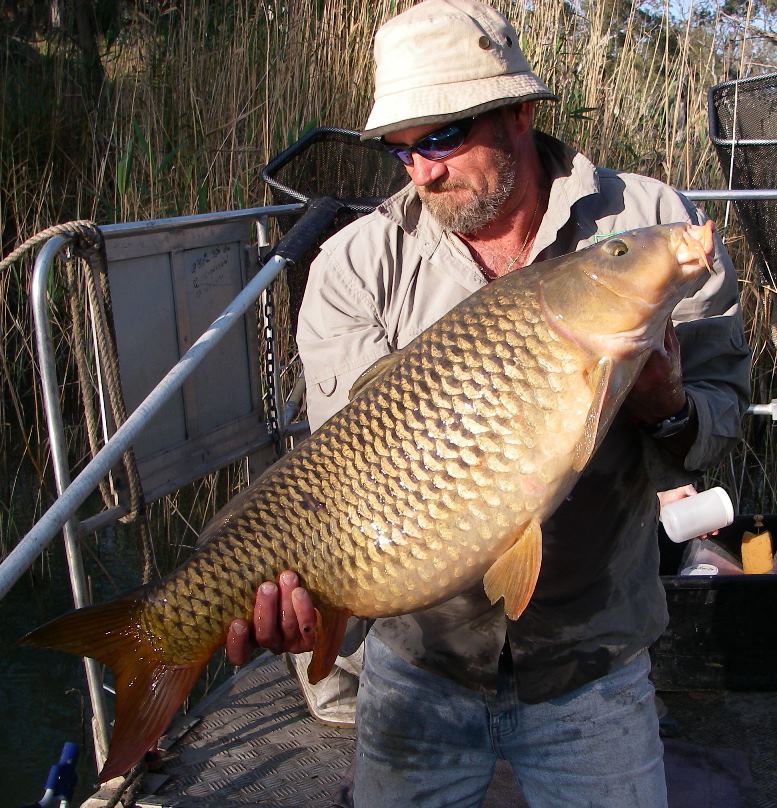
(440, 185)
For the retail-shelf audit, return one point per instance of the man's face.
(465, 191)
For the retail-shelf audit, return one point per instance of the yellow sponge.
(757, 552)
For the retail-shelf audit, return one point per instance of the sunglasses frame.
(405, 153)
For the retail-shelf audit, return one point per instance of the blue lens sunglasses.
(436, 145)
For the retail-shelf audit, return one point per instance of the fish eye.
(616, 247)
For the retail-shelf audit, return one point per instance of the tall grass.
(199, 96)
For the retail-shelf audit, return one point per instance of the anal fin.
(148, 694)
(330, 630)
(513, 576)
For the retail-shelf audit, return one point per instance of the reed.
(198, 97)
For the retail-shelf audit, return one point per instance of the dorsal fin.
(373, 373)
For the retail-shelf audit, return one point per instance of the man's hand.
(675, 494)
(658, 392)
(284, 620)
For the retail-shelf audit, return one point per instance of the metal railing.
(73, 493)
(700, 195)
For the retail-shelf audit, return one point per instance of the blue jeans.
(423, 740)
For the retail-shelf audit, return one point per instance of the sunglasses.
(436, 145)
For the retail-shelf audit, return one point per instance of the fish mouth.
(694, 247)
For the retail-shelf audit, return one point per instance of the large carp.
(439, 472)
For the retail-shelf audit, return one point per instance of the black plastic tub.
(722, 630)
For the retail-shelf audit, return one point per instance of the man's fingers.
(290, 628)
(284, 620)
(674, 494)
(239, 642)
(306, 618)
(266, 627)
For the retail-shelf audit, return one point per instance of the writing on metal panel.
(211, 269)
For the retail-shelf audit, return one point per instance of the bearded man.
(562, 693)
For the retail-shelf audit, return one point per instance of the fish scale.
(439, 473)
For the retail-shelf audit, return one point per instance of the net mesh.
(746, 110)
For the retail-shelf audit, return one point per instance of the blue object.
(62, 779)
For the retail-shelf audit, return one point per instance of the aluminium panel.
(166, 288)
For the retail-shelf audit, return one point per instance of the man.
(563, 692)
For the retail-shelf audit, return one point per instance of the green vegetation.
(118, 111)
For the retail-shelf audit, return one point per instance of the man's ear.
(518, 118)
(524, 116)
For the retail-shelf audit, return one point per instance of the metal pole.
(146, 226)
(46, 528)
(761, 194)
(78, 582)
(764, 409)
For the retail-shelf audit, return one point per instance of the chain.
(273, 420)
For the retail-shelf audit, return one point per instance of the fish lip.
(685, 236)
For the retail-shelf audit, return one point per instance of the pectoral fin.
(514, 574)
(599, 381)
(330, 630)
(373, 373)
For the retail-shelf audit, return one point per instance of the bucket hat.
(443, 60)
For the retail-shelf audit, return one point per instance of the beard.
(479, 210)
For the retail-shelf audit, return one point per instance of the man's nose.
(423, 171)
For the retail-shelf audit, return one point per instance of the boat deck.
(728, 740)
(252, 742)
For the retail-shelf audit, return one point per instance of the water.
(44, 698)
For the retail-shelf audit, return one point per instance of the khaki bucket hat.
(442, 60)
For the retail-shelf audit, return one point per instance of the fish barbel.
(438, 473)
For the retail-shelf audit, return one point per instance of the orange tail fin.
(148, 690)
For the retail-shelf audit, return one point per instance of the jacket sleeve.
(339, 336)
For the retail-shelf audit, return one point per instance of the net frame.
(743, 128)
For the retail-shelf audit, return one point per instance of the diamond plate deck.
(255, 744)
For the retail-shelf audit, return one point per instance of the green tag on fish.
(604, 236)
